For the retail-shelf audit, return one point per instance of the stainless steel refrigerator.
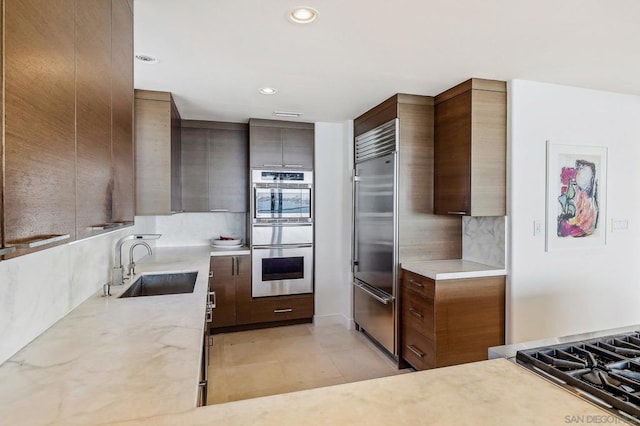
(375, 248)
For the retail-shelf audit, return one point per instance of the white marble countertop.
(495, 392)
(233, 251)
(114, 359)
(453, 269)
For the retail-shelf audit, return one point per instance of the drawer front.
(421, 285)
(281, 308)
(417, 349)
(417, 312)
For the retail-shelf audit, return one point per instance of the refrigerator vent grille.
(377, 142)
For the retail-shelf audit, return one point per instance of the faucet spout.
(118, 270)
(132, 264)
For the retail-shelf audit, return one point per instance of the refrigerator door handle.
(382, 299)
(356, 179)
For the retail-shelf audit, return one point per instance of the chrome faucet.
(118, 270)
(132, 265)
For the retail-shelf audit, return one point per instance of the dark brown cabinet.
(230, 280)
(67, 112)
(470, 149)
(122, 151)
(281, 308)
(214, 166)
(448, 322)
(281, 144)
(93, 116)
(39, 115)
(158, 154)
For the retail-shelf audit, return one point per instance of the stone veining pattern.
(483, 240)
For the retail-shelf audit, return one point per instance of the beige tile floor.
(255, 363)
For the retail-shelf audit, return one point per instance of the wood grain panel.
(220, 125)
(269, 309)
(489, 153)
(452, 155)
(469, 318)
(153, 156)
(176, 160)
(297, 147)
(472, 84)
(2, 137)
(421, 234)
(380, 114)
(93, 115)
(243, 290)
(39, 118)
(224, 284)
(228, 170)
(265, 146)
(195, 169)
(122, 148)
(417, 349)
(418, 312)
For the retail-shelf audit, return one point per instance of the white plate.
(226, 243)
(226, 247)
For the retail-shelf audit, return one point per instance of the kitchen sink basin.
(159, 284)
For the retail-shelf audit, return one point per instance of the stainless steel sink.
(159, 284)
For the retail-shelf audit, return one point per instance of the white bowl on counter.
(226, 243)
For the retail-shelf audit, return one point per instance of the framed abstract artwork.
(576, 196)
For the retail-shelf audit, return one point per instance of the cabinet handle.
(7, 250)
(293, 166)
(416, 313)
(209, 315)
(416, 351)
(219, 210)
(282, 311)
(212, 303)
(211, 274)
(416, 283)
(37, 242)
(460, 213)
(233, 265)
(237, 266)
(272, 165)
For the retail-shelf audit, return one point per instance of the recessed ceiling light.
(287, 114)
(146, 59)
(268, 90)
(303, 15)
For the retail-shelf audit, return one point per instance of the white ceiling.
(214, 55)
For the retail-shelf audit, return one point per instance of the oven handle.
(283, 246)
(282, 224)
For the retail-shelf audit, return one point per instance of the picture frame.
(576, 196)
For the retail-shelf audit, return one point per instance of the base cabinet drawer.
(417, 349)
(417, 313)
(281, 308)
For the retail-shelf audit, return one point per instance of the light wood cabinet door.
(40, 196)
(265, 146)
(297, 148)
(122, 99)
(228, 170)
(195, 169)
(93, 115)
(470, 149)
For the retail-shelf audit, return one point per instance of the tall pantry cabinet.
(67, 111)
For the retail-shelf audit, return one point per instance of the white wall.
(38, 289)
(566, 292)
(333, 223)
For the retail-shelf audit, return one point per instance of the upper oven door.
(282, 203)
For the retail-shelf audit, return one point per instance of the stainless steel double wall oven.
(281, 232)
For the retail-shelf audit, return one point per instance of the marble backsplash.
(483, 240)
(38, 289)
(195, 229)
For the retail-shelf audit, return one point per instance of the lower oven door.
(282, 270)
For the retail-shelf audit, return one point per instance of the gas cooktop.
(605, 370)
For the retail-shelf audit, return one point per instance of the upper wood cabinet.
(281, 144)
(39, 115)
(158, 152)
(123, 192)
(214, 166)
(470, 149)
(67, 113)
(93, 116)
